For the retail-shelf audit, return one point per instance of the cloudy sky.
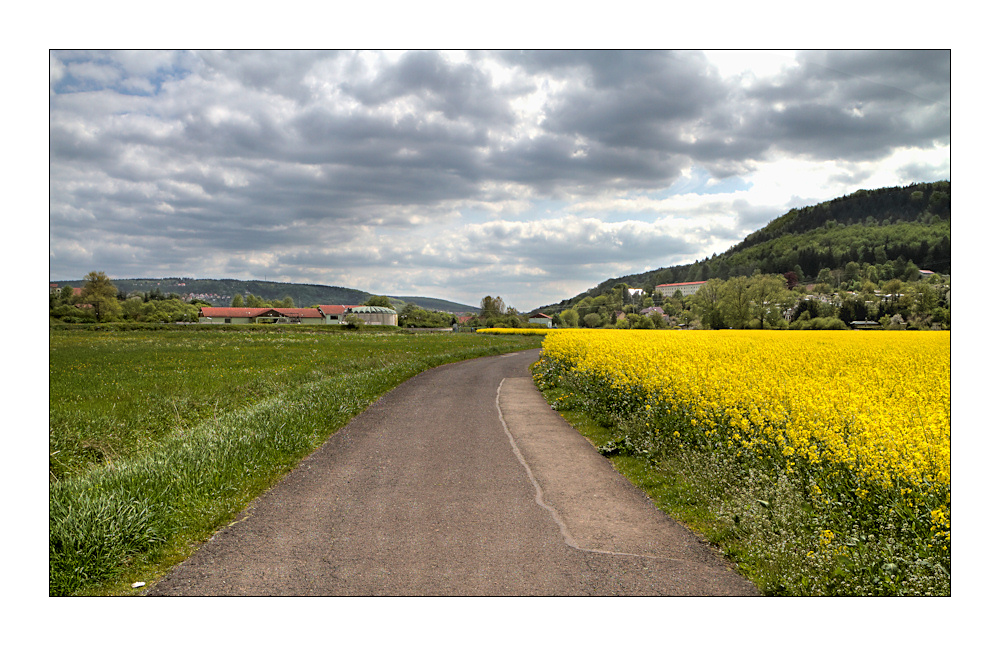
(453, 174)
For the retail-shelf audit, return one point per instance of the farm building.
(373, 315)
(686, 289)
(306, 315)
(543, 319)
(333, 313)
(319, 315)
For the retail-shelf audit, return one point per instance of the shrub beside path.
(461, 481)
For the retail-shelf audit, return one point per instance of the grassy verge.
(160, 437)
(767, 525)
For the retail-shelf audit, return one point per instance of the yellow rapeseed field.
(873, 405)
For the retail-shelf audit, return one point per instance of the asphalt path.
(460, 482)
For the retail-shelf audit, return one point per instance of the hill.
(436, 304)
(220, 292)
(896, 225)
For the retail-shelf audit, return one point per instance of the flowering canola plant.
(856, 416)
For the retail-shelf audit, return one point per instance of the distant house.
(541, 319)
(686, 289)
(650, 310)
(926, 273)
(333, 313)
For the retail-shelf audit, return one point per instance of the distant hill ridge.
(892, 224)
(220, 292)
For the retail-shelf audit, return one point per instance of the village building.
(686, 289)
(541, 319)
(333, 313)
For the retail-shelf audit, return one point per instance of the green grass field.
(159, 437)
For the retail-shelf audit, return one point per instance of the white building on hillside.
(686, 289)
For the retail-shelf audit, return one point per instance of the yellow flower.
(876, 405)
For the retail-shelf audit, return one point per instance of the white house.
(542, 319)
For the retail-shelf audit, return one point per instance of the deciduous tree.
(736, 302)
(492, 306)
(766, 292)
(101, 293)
(708, 299)
(570, 318)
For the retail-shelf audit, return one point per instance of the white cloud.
(751, 64)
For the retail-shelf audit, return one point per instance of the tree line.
(100, 301)
(775, 301)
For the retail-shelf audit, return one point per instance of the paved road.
(461, 481)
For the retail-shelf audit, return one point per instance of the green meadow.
(159, 437)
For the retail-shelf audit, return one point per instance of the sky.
(529, 175)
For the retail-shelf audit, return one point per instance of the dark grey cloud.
(854, 105)
(457, 91)
(280, 72)
(636, 101)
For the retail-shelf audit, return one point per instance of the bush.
(818, 323)
(73, 314)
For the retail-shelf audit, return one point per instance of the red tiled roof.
(301, 312)
(253, 312)
(694, 282)
(234, 312)
(333, 309)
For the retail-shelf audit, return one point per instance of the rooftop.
(693, 282)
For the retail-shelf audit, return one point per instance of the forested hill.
(897, 225)
(220, 292)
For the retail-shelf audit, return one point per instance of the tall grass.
(160, 437)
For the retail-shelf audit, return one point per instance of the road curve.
(460, 482)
